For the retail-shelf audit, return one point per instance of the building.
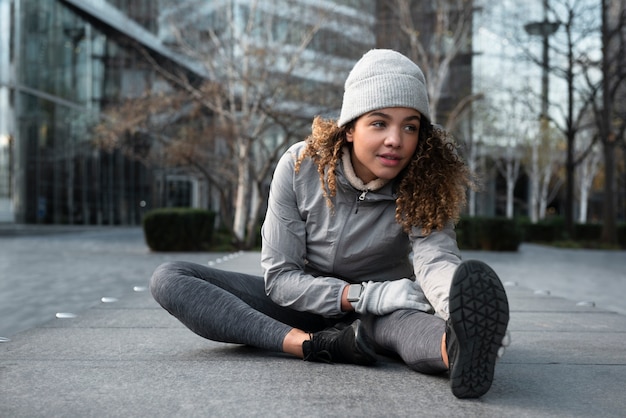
(57, 69)
(63, 61)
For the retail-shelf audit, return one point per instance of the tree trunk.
(609, 226)
(510, 186)
(473, 165)
(585, 179)
(255, 208)
(569, 186)
(584, 204)
(609, 230)
(243, 192)
(534, 185)
(586, 173)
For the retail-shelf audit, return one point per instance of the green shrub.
(489, 234)
(587, 232)
(621, 234)
(178, 229)
(543, 231)
(466, 235)
(552, 232)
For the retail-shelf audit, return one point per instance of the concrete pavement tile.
(119, 318)
(98, 344)
(582, 322)
(278, 387)
(558, 390)
(539, 303)
(575, 348)
(131, 300)
(197, 388)
(271, 387)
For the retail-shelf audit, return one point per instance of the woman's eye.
(410, 128)
(378, 124)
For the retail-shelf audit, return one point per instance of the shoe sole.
(366, 355)
(479, 315)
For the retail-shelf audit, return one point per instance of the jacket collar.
(357, 183)
(378, 189)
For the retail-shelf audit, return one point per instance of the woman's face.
(383, 142)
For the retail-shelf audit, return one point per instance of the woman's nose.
(394, 138)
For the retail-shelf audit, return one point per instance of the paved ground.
(127, 357)
(45, 270)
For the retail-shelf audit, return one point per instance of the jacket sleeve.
(284, 250)
(435, 259)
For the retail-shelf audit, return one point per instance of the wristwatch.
(354, 292)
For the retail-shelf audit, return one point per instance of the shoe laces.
(325, 344)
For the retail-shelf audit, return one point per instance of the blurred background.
(112, 109)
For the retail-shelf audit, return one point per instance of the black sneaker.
(340, 344)
(479, 314)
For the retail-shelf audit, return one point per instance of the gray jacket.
(310, 251)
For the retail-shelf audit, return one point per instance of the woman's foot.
(479, 314)
(343, 343)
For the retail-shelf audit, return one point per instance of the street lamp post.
(544, 29)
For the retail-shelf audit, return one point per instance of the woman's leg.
(414, 335)
(229, 307)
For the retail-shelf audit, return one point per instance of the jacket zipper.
(359, 199)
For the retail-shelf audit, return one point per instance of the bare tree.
(505, 146)
(516, 113)
(436, 34)
(587, 170)
(579, 39)
(253, 70)
(570, 34)
(610, 112)
(544, 160)
(255, 87)
(166, 130)
(508, 165)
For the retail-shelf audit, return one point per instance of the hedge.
(178, 229)
(548, 230)
(497, 234)
(489, 234)
(551, 230)
(621, 234)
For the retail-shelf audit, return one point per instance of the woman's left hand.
(381, 298)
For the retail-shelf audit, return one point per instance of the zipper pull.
(360, 198)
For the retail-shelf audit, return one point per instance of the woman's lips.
(390, 159)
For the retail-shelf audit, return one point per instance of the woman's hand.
(381, 298)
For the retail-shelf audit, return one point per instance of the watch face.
(354, 292)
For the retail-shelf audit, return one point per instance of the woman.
(359, 254)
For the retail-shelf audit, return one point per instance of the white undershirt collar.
(354, 180)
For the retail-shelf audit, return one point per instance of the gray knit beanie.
(383, 78)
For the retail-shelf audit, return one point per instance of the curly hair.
(431, 190)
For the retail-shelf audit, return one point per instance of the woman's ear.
(350, 134)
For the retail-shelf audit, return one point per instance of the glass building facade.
(57, 70)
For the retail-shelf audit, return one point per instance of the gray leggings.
(233, 308)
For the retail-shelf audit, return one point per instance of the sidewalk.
(130, 358)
